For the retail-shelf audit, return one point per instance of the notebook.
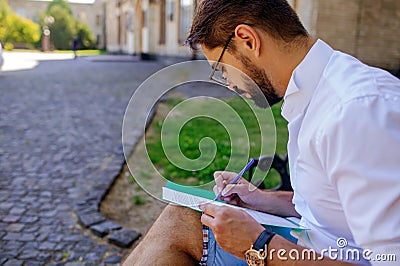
(191, 197)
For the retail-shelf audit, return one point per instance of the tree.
(85, 37)
(15, 29)
(66, 27)
(21, 30)
(60, 3)
(4, 12)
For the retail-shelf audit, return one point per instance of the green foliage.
(84, 52)
(22, 30)
(139, 200)
(61, 4)
(65, 27)
(8, 46)
(85, 37)
(15, 29)
(4, 10)
(65, 255)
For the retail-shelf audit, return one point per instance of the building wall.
(28, 9)
(338, 23)
(112, 26)
(366, 29)
(154, 22)
(379, 36)
(123, 24)
(92, 14)
(308, 13)
(171, 45)
(142, 34)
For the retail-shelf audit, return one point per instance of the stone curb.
(89, 215)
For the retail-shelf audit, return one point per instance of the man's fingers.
(232, 199)
(222, 179)
(212, 214)
(207, 220)
(239, 189)
(210, 209)
(222, 175)
(220, 183)
(217, 190)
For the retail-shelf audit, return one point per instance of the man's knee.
(176, 233)
(175, 213)
(186, 224)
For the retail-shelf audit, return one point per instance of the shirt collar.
(305, 79)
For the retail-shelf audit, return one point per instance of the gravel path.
(60, 151)
(60, 146)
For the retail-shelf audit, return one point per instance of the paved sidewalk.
(60, 145)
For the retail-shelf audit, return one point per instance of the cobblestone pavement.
(60, 149)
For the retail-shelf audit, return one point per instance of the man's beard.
(267, 97)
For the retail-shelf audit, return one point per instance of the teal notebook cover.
(192, 190)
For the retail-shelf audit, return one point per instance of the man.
(344, 148)
(75, 46)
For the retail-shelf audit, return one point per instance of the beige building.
(148, 27)
(93, 14)
(367, 29)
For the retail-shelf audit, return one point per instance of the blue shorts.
(219, 257)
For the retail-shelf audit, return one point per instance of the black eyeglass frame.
(219, 60)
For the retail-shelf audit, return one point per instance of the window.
(185, 19)
(98, 20)
(162, 22)
(171, 10)
(21, 12)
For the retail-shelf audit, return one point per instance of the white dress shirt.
(344, 152)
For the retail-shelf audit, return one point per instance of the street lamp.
(48, 20)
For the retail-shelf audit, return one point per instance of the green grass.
(198, 128)
(83, 52)
(139, 200)
(79, 52)
(65, 255)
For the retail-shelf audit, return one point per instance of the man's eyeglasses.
(217, 75)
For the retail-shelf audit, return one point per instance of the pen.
(236, 179)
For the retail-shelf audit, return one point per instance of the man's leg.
(174, 239)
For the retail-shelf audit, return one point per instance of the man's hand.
(246, 195)
(234, 230)
(242, 194)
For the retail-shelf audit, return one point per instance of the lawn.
(232, 149)
(84, 52)
(79, 52)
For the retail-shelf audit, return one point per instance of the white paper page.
(193, 202)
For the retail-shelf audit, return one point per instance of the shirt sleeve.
(360, 153)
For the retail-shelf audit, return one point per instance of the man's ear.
(248, 38)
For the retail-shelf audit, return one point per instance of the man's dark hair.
(215, 21)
